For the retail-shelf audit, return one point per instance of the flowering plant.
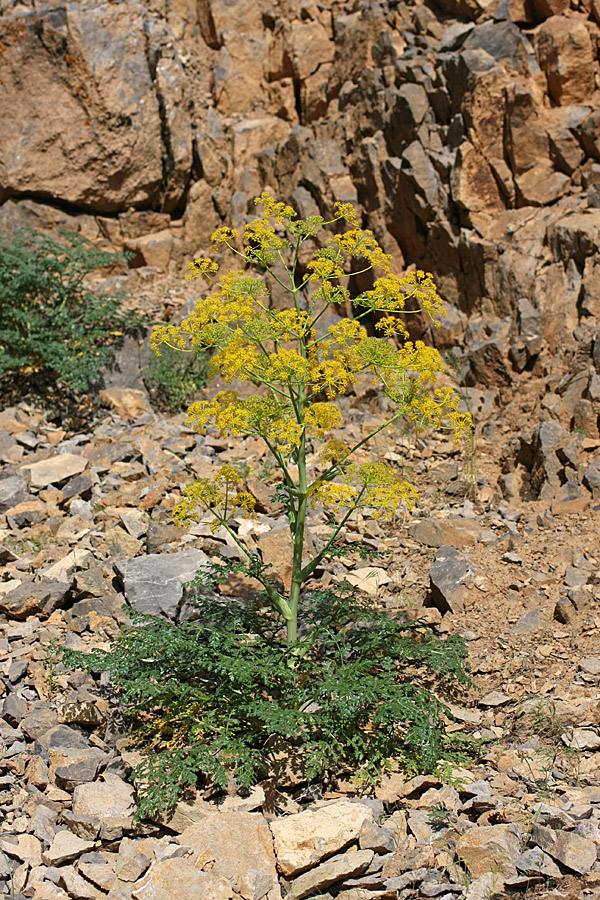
(304, 368)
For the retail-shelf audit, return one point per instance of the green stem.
(298, 539)
(310, 567)
(336, 469)
(274, 596)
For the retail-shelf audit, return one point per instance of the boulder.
(474, 187)
(338, 868)
(12, 492)
(305, 839)
(65, 847)
(241, 846)
(170, 878)
(566, 56)
(446, 578)
(54, 470)
(575, 852)
(118, 123)
(153, 584)
(110, 798)
(31, 599)
(490, 848)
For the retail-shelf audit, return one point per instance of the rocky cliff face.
(467, 132)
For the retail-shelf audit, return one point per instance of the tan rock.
(486, 887)
(76, 886)
(65, 847)
(347, 865)
(171, 879)
(61, 570)
(490, 848)
(187, 814)
(27, 848)
(109, 798)
(573, 851)
(200, 219)
(151, 249)
(565, 53)
(439, 533)
(128, 403)
(309, 47)
(250, 136)
(103, 146)
(242, 847)
(526, 137)
(306, 838)
(473, 185)
(368, 579)
(541, 185)
(47, 891)
(54, 470)
(547, 8)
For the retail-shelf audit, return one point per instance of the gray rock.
(408, 879)
(14, 709)
(12, 492)
(38, 721)
(446, 578)
(591, 665)
(573, 851)
(59, 736)
(377, 838)
(153, 584)
(536, 861)
(532, 620)
(338, 868)
(84, 767)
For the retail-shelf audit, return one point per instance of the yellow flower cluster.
(373, 485)
(262, 416)
(391, 294)
(203, 266)
(334, 451)
(322, 417)
(260, 234)
(345, 211)
(278, 211)
(382, 488)
(219, 494)
(323, 269)
(441, 409)
(391, 326)
(288, 325)
(336, 360)
(359, 243)
(223, 237)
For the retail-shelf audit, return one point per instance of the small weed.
(469, 473)
(52, 653)
(545, 721)
(10, 876)
(440, 816)
(173, 378)
(50, 322)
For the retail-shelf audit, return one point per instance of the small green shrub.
(49, 320)
(173, 378)
(220, 695)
